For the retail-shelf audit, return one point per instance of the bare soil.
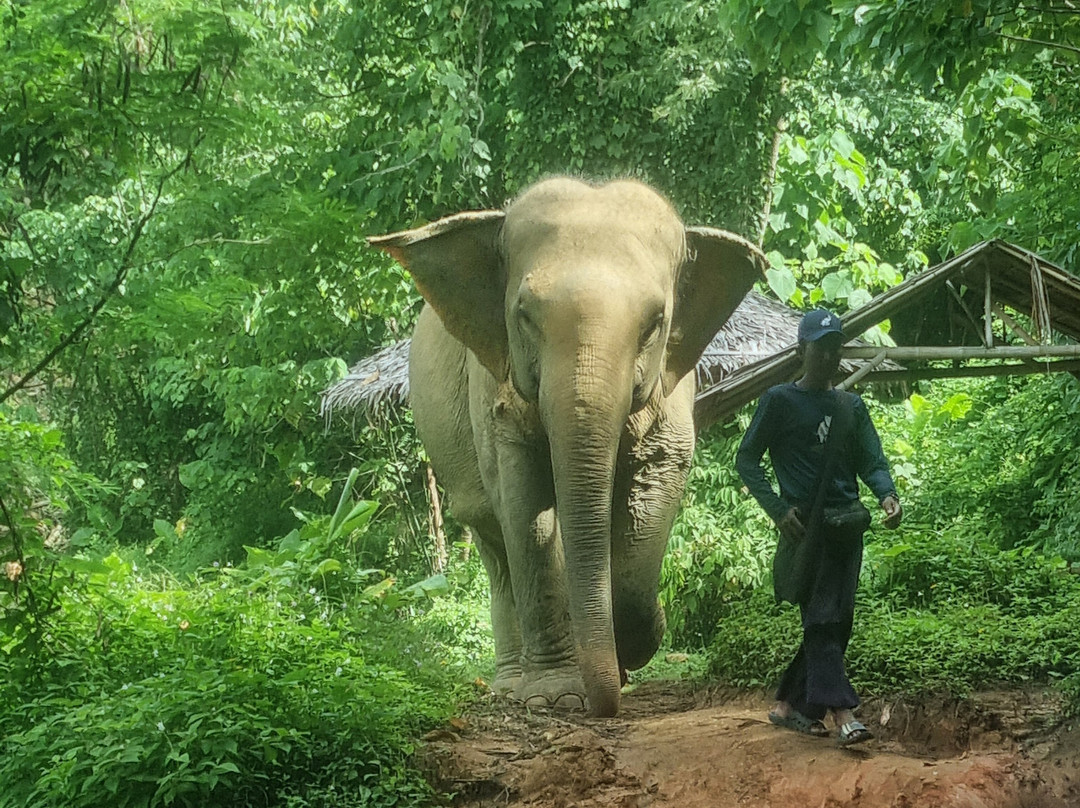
(675, 746)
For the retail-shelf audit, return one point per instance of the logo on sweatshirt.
(823, 429)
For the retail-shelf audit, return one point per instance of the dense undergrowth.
(938, 613)
(297, 678)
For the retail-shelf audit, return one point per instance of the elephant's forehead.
(575, 215)
(595, 283)
(570, 263)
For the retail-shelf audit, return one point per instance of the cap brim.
(821, 332)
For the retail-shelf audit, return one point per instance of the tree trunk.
(779, 126)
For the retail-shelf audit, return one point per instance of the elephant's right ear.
(457, 265)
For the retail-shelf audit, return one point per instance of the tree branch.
(1042, 42)
(202, 242)
(121, 273)
(779, 126)
(1051, 10)
(28, 239)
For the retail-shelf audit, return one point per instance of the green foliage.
(1070, 688)
(672, 666)
(1009, 74)
(918, 441)
(291, 681)
(839, 189)
(948, 44)
(997, 456)
(219, 696)
(946, 568)
(754, 639)
(37, 482)
(461, 624)
(721, 543)
(776, 33)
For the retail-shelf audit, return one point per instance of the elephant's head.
(593, 301)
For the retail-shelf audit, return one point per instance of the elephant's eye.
(652, 332)
(526, 324)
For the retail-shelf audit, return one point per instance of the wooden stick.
(862, 372)
(964, 307)
(1040, 303)
(1012, 369)
(948, 353)
(1014, 326)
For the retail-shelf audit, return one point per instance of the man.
(792, 422)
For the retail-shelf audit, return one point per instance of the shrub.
(296, 680)
(721, 542)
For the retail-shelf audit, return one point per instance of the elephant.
(551, 385)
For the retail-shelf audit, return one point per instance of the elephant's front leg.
(504, 621)
(654, 461)
(549, 673)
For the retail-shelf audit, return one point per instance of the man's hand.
(790, 525)
(893, 511)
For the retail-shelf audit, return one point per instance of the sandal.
(800, 723)
(853, 732)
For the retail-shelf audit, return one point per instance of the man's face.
(823, 356)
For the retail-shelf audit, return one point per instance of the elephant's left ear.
(719, 270)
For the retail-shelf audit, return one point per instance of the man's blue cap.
(817, 323)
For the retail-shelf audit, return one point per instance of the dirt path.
(674, 747)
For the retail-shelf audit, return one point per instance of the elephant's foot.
(506, 682)
(561, 688)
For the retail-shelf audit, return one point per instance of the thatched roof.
(758, 328)
(376, 385)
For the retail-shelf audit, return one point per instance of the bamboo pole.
(972, 320)
(1011, 369)
(950, 353)
(862, 372)
(1040, 302)
(1014, 326)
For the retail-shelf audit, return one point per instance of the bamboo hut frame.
(973, 292)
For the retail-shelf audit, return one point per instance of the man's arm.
(748, 460)
(874, 468)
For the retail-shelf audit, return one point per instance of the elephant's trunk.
(584, 421)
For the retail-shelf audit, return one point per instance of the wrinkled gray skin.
(552, 386)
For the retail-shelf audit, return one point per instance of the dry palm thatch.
(378, 385)
(375, 386)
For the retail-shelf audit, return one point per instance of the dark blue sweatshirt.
(792, 424)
